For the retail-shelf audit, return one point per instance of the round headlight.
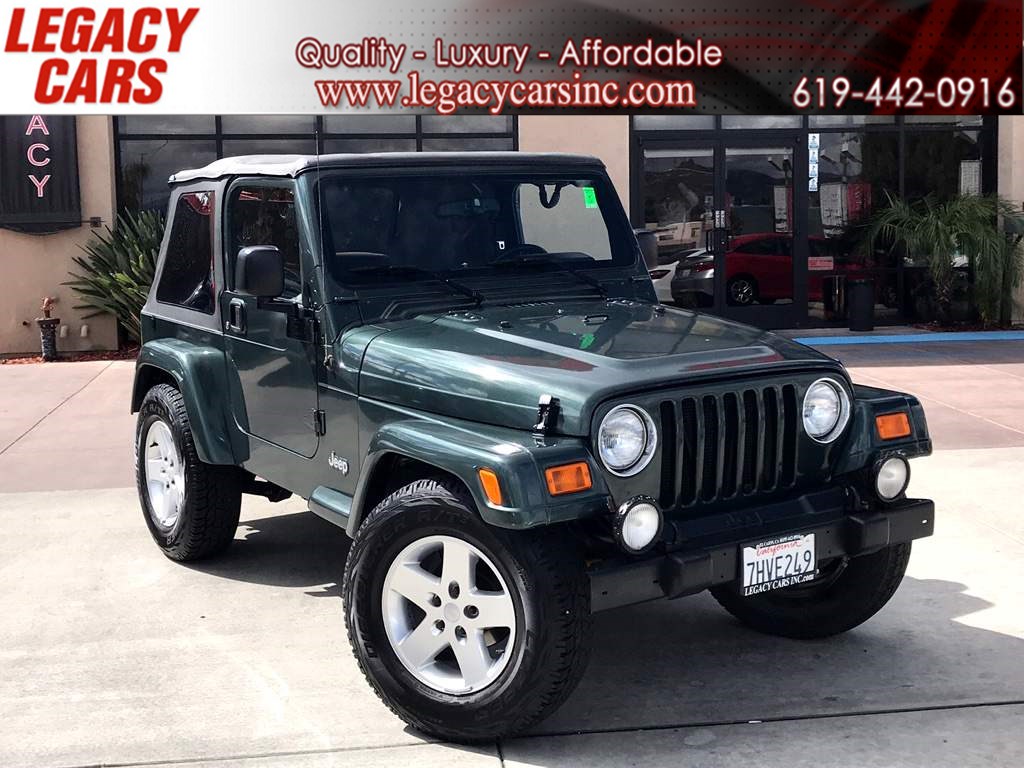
(826, 410)
(626, 439)
(638, 524)
(891, 478)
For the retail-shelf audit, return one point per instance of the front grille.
(728, 445)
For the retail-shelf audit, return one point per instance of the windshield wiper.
(400, 269)
(526, 261)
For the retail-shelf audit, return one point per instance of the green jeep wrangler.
(460, 360)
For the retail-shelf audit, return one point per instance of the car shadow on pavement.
(286, 550)
(687, 662)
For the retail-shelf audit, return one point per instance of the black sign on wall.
(39, 174)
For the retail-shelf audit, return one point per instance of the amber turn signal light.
(892, 425)
(568, 478)
(492, 488)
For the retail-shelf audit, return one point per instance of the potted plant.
(943, 233)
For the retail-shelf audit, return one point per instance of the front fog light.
(638, 525)
(891, 478)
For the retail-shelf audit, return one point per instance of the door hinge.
(319, 422)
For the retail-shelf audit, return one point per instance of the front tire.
(191, 508)
(845, 595)
(465, 631)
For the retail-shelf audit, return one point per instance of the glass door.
(730, 219)
(760, 242)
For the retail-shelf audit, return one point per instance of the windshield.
(454, 227)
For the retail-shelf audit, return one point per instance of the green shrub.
(117, 268)
(971, 225)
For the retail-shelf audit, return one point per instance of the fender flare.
(517, 458)
(200, 375)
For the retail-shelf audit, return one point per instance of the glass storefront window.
(151, 148)
(679, 199)
(145, 167)
(268, 124)
(369, 124)
(674, 122)
(943, 163)
(761, 121)
(269, 146)
(849, 121)
(396, 144)
(467, 145)
(467, 124)
(167, 124)
(857, 171)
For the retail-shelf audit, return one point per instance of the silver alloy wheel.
(448, 614)
(165, 474)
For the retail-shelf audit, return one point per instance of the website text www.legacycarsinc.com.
(449, 96)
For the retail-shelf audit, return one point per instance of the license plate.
(778, 563)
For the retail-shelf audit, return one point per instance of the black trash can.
(860, 304)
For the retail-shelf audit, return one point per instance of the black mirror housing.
(259, 271)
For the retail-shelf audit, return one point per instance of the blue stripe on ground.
(910, 338)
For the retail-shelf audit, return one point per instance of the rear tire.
(833, 603)
(545, 650)
(191, 508)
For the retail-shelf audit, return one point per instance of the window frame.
(227, 257)
(165, 252)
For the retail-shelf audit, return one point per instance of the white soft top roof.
(293, 165)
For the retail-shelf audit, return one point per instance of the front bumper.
(703, 552)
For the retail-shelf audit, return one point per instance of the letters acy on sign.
(38, 174)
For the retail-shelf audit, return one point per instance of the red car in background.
(759, 269)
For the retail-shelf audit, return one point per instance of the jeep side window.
(265, 215)
(187, 276)
(563, 218)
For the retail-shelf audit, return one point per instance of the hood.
(492, 364)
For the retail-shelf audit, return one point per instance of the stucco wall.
(605, 136)
(1011, 176)
(33, 266)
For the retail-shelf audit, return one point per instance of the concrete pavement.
(111, 654)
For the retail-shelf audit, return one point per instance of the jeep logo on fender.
(334, 461)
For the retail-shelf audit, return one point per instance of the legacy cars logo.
(334, 461)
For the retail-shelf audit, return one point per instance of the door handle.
(236, 316)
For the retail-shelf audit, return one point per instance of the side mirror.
(259, 271)
(648, 247)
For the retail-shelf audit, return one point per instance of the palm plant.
(968, 224)
(117, 269)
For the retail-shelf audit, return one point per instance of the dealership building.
(777, 199)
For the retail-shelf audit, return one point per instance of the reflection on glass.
(679, 188)
(759, 217)
(268, 124)
(459, 144)
(761, 121)
(674, 122)
(856, 172)
(166, 124)
(234, 147)
(146, 165)
(467, 124)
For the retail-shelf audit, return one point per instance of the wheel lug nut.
(460, 633)
(439, 625)
(471, 612)
(435, 601)
(453, 590)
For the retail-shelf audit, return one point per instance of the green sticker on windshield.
(589, 197)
